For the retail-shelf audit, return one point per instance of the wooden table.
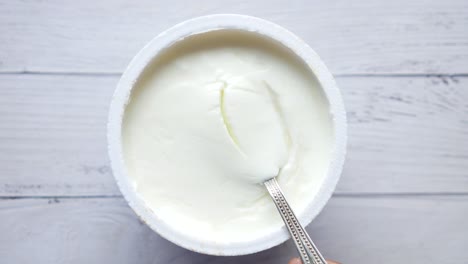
(402, 67)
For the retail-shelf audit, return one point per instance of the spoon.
(306, 248)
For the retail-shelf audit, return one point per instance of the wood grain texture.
(53, 135)
(406, 135)
(353, 37)
(351, 230)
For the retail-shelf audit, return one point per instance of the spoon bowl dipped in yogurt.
(207, 112)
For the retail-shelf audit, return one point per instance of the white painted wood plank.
(53, 135)
(406, 135)
(366, 36)
(351, 230)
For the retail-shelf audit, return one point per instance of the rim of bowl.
(205, 24)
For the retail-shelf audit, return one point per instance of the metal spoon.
(306, 248)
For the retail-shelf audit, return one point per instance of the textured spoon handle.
(306, 248)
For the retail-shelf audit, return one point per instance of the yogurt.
(212, 118)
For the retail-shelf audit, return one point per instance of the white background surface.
(402, 67)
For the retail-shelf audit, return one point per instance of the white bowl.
(178, 33)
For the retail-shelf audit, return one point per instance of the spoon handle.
(306, 248)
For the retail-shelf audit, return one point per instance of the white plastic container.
(178, 33)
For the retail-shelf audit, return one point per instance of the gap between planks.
(337, 195)
(117, 74)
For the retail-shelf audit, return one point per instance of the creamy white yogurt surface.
(213, 117)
